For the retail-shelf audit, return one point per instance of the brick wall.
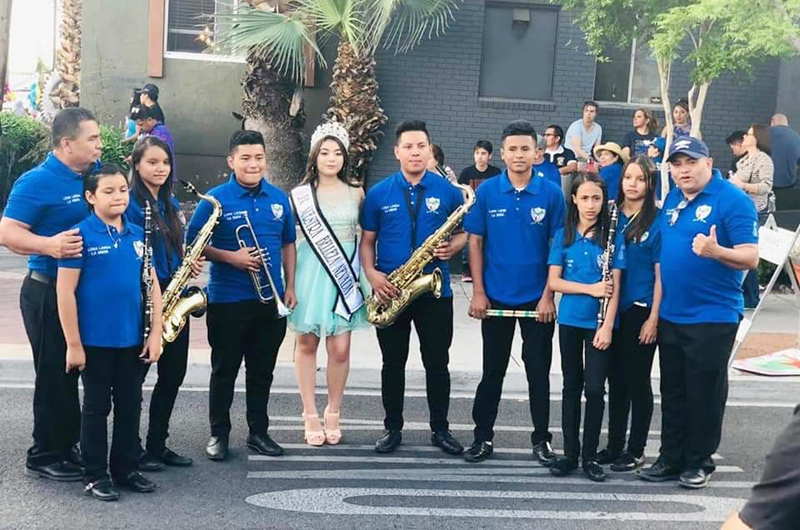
(438, 82)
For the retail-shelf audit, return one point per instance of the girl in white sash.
(329, 283)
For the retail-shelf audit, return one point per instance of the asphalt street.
(350, 486)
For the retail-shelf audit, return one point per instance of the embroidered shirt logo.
(432, 203)
(138, 246)
(644, 237)
(277, 210)
(538, 214)
(702, 212)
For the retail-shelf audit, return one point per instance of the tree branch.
(794, 40)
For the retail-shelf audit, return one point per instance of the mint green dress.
(316, 293)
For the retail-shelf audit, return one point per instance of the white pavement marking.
(453, 395)
(508, 476)
(340, 501)
(428, 449)
(418, 460)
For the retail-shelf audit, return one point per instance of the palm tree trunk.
(354, 103)
(68, 56)
(267, 106)
(5, 40)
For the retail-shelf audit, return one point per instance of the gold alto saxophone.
(409, 278)
(177, 306)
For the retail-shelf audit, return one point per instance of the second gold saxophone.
(177, 306)
(409, 278)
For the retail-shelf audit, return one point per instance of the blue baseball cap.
(691, 147)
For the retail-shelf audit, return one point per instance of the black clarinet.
(147, 264)
(608, 260)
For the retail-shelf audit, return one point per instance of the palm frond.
(335, 17)
(281, 39)
(404, 23)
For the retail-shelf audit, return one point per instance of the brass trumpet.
(259, 284)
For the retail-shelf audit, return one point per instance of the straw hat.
(612, 147)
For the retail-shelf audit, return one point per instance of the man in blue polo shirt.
(240, 323)
(709, 237)
(514, 218)
(399, 213)
(45, 203)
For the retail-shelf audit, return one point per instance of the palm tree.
(68, 56)
(284, 41)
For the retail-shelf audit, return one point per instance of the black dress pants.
(171, 369)
(111, 374)
(629, 384)
(56, 406)
(242, 330)
(433, 320)
(537, 354)
(587, 377)
(694, 388)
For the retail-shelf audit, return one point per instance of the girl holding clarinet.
(107, 345)
(586, 262)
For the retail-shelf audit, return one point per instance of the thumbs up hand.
(706, 246)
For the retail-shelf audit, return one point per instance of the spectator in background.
(542, 167)
(131, 130)
(681, 124)
(584, 134)
(473, 176)
(611, 159)
(149, 98)
(734, 141)
(638, 140)
(149, 126)
(436, 164)
(562, 157)
(785, 156)
(754, 175)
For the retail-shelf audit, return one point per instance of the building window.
(629, 76)
(192, 28)
(519, 49)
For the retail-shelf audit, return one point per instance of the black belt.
(41, 278)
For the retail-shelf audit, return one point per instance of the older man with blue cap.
(709, 238)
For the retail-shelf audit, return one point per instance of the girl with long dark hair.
(151, 178)
(640, 298)
(576, 270)
(328, 304)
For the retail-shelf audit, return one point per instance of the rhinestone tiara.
(331, 128)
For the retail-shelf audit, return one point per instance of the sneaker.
(660, 471)
(627, 462)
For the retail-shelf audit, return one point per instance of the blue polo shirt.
(639, 278)
(109, 293)
(582, 262)
(271, 216)
(703, 290)
(49, 199)
(516, 226)
(403, 216)
(165, 260)
(548, 171)
(612, 175)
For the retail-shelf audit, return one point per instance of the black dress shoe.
(694, 479)
(607, 456)
(479, 451)
(390, 441)
(62, 471)
(627, 462)
(171, 458)
(563, 466)
(543, 452)
(594, 470)
(660, 471)
(149, 463)
(134, 481)
(447, 442)
(102, 490)
(217, 448)
(74, 456)
(263, 444)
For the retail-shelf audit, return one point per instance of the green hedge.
(25, 142)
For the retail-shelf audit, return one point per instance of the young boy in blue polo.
(106, 345)
(515, 216)
(709, 238)
(240, 324)
(398, 215)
